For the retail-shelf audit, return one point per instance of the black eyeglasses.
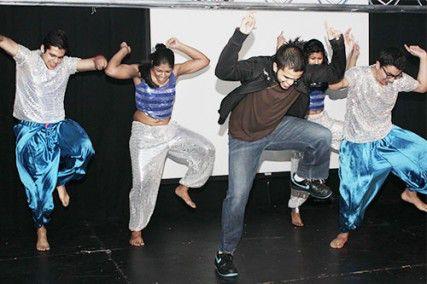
(391, 76)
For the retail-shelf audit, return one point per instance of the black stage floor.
(390, 247)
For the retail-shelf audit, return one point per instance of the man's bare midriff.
(143, 118)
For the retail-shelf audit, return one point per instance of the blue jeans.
(311, 139)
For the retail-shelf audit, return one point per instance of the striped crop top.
(156, 102)
(317, 99)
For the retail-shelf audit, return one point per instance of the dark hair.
(392, 56)
(56, 38)
(290, 55)
(162, 55)
(312, 46)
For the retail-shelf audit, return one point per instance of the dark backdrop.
(103, 106)
(396, 30)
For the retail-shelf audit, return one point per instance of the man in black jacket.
(267, 113)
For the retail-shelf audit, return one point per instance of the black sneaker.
(224, 265)
(316, 188)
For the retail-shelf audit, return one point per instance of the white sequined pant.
(336, 127)
(149, 148)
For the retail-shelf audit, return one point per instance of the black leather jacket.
(256, 73)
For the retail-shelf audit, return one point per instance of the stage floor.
(181, 243)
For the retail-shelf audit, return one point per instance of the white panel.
(198, 98)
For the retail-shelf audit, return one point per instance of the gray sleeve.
(337, 94)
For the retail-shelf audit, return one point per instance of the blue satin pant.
(48, 155)
(365, 166)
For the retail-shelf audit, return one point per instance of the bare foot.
(412, 197)
(339, 241)
(42, 244)
(63, 195)
(182, 191)
(296, 218)
(136, 239)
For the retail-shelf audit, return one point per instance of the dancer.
(50, 150)
(266, 115)
(315, 54)
(372, 146)
(154, 137)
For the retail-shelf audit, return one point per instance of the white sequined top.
(369, 104)
(39, 91)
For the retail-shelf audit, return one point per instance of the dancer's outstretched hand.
(351, 46)
(415, 50)
(248, 23)
(100, 62)
(173, 43)
(280, 40)
(348, 41)
(125, 45)
(356, 50)
(332, 32)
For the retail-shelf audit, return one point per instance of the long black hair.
(161, 55)
(313, 46)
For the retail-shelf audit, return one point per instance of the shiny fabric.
(369, 104)
(297, 198)
(39, 91)
(48, 155)
(317, 99)
(149, 148)
(156, 102)
(336, 127)
(365, 166)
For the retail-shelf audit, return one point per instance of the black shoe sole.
(297, 188)
(322, 197)
(226, 276)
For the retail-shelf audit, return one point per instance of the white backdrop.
(198, 96)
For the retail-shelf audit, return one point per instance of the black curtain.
(102, 106)
(396, 30)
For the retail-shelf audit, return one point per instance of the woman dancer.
(154, 137)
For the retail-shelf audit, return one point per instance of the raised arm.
(336, 68)
(8, 45)
(280, 40)
(417, 51)
(197, 62)
(340, 85)
(91, 64)
(333, 72)
(339, 90)
(354, 55)
(117, 70)
(352, 49)
(229, 67)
